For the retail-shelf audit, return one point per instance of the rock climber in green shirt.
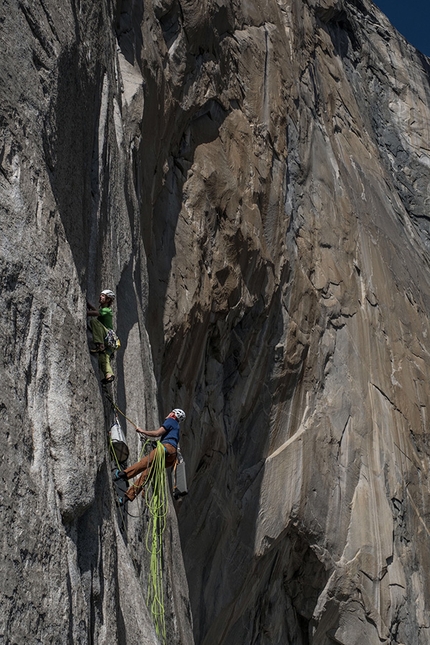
(101, 322)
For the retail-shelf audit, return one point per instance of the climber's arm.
(152, 433)
(91, 311)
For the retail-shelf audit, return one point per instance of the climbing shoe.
(98, 349)
(119, 474)
(108, 379)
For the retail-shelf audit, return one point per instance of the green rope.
(145, 443)
(157, 502)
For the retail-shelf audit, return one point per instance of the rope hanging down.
(157, 502)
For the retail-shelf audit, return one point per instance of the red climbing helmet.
(179, 414)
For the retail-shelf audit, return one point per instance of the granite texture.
(252, 181)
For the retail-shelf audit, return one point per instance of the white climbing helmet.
(110, 294)
(179, 414)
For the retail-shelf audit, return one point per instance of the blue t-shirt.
(172, 435)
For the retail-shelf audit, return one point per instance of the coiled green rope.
(157, 502)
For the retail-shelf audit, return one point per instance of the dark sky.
(411, 18)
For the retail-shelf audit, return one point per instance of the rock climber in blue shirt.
(168, 433)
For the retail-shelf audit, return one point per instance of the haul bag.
(179, 478)
(118, 444)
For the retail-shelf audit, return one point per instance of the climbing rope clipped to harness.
(157, 502)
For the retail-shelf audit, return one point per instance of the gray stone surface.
(70, 224)
(252, 179)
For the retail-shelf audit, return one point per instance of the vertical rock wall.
(295, 310)
(70, 225)
(252, 180)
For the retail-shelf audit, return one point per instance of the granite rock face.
(70, 224)
(252, 179)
